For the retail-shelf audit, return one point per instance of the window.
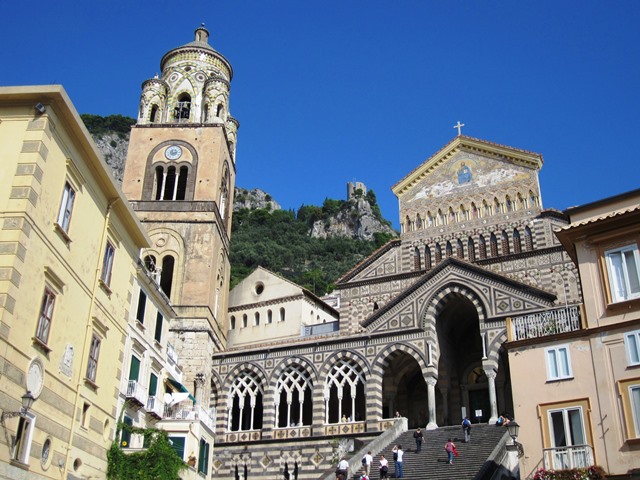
(623, 265)
(94, 352)
(134, 369)
(178, 444)
(566, 428)
(66, 207)
(153, 385)
(107, 263)
(558, 363)
(244, 320)
(282, 316)
(632, 345)
(634, 395)
(46, 312)
(125, 436)
(85, 415)
(256, 319)
(142, 303)
(21, 446)
(416, 259)
(269, 316)
(158, 333)
(232, 323)
(203, 457)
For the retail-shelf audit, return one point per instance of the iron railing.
(545, 323)
(566, 458)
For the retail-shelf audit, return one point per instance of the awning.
(181, 388)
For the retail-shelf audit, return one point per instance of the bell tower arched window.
(171, 182)
(166, 276)
(182, 110)
(153, 116)
(448, 249)
(459, 249)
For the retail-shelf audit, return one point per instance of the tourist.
(384, 468)
(398, 463)
(342, 472)
(419, 439)
(450, 447)
(466, 429)
(367, 460)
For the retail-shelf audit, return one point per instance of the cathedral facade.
(417, 328)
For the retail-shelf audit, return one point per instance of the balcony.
(154, 406)
(136, 392)
(191, 413)
(545, 323)
(566, 458)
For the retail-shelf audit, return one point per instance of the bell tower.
(179, 177)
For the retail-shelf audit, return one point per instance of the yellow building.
(69, 244)
(583, 407)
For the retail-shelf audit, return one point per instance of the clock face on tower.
(173, 152)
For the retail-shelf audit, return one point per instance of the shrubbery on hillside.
(98, 125)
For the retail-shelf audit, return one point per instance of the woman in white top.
(384, 467)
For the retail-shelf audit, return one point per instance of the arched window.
(430, 219)
(245, 321)
(438, 253)
(517, 244)
(181, 186)
(153, 116)
(293, 401)
(474, 210)
(459, 249)
(497, 207)
(509, 204)
(452, 215)
(463, 213)
(486, 209)
(182, 110)
(448, 249)
(482, 247)
(504, 243)
(256, 319)
(441, 219)
(493, 245)
(418, 222)
(166, 276)
(416, 259)
(522, 203)
(219, 111)
(232, 322)
(427, 258)
(344, 392)
(282, 314)
(171, 184)
(244, 406)
(533, 199)
(269, 316)
(528, 239)
(407, 224)
(471, 249)
(205, 113)
(224, 194)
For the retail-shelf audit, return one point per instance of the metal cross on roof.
(459, 127)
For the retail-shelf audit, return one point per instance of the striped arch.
(493, 349)
(245, 389)
(289, 399)
(282, 366)
(328, 364)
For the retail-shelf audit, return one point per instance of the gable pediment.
(497, 296)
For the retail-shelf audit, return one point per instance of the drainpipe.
(87, 335)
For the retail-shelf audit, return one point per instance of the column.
(491, 377)
(431, 400)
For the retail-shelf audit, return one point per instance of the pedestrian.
(419, 439)
(398, 462)
(450, 447)
(367, 460)
(398, 414)
(342, 472)
(384, 468)
(466, 429)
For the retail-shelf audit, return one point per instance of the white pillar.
(491, 377)
(431, 401)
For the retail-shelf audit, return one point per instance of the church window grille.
(153, 117)
(504, 243)
(282, 317)
(517, 244)
(269, 316)
(448, 249)
(182, 110)
(293, 401)
(245, 403)
(245, 321)
(166, 275)
(493, 245)
(459, 249)
(344, 392)
(427, 258)
(482, 247)
(438, 253)
(471, 249)
(528, 239)
(416, 259)
(232, 323)
(256, 319)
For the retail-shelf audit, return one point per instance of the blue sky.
(335, 91)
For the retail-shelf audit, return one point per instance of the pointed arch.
(427, 258)
(418, 221)
(474, 211)
(497, 206)
(430, 219)
(416, 258)
(448, 249)
(486, 209)
(517, 244)
(459, 249)
(438, 253)
(528, 239)
(482, 247)
(504, 243)
(471, 250)
(493, 245)
(508, 203)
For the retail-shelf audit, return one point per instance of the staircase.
(432, 461)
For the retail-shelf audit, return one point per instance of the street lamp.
(514, 429)
(27, 403)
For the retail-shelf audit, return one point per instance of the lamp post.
(27, 403)
(514, 429)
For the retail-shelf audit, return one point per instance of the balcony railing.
(566, 458)
(155, 406)
(545, 323)
(191, 413)
(320, 329)
(136, 392)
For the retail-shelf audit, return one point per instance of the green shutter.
(177, 443)
(158, 335)
(134, 369)
(153, 385)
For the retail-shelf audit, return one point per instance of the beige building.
(69, 242)
(583, 407)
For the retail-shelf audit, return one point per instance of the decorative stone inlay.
(265, 461)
